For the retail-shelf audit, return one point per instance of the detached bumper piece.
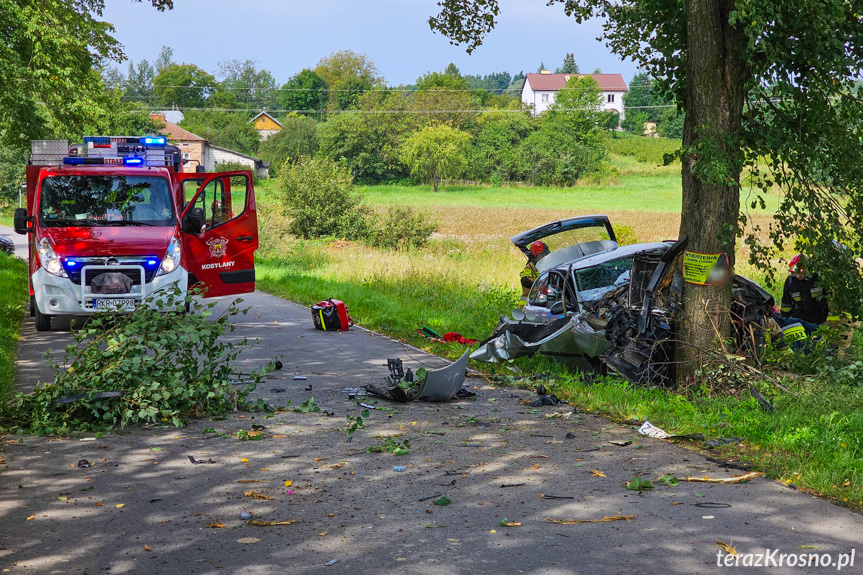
(439, 385)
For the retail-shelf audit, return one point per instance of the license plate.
(116, 304)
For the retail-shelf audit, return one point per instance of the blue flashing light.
(133, 161)
(73, 161)
(97, 139)
(152, 262)
(71, 264)
(154, 140)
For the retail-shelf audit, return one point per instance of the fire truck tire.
(32, 306)
(43, 321)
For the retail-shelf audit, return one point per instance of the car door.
(222, 256)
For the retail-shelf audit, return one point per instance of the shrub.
(320, 197)
(625, 235)
(402, 228)
(554, 155)
(180, 370)
(437, 152)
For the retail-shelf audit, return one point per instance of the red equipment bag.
(331, 315)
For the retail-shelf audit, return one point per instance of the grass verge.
(813, 439)
(13, 302)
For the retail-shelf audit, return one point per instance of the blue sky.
(285, 36)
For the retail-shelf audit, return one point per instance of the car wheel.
(43, 321)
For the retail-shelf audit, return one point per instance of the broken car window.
(596, 281)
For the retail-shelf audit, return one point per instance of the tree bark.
(715, 94)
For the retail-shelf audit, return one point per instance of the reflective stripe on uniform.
(795, 295)
(816, 292)
(785, 308)
(793, 332)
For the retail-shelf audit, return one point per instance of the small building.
(191, 145)
(215, 156)
(540, 90)
(266, 125)
(201, 155)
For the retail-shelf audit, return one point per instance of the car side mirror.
(22, 221)
(557, 308)
(194, 221)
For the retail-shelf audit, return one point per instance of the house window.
(544, 98)
(185, 144)
(611, 98)
(187, 156)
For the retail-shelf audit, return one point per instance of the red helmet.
(796, 264)
(538, 248)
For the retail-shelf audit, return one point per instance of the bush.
(402, 228)
(180, 370)
(298, 137)
(625, 235)
(320, 197)
(554, 156)
(493, 157)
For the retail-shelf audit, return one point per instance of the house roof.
(264, 113)
(554, 82)
(175, 132)
(258, 161)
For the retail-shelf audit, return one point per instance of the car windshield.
(595, 281)
(106, 200)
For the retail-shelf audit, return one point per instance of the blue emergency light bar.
(133, 161)
(154, 140)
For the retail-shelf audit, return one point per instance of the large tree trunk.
(715, 76)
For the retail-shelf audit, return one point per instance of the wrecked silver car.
(596, 305)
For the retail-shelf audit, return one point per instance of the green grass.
(13, 301)
(813, 439)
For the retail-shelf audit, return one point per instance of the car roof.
(610, 255)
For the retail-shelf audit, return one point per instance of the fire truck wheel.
(43, 321)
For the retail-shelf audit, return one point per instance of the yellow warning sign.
(705, 269)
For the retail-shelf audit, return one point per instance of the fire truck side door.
(223, 256)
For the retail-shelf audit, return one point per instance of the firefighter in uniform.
(801, 298)
(538, 250)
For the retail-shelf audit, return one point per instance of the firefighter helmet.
(538, 248)
(796, 264)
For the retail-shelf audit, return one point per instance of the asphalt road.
(143, 507)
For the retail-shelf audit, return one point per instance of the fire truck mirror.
(22, 221)
(194, 221)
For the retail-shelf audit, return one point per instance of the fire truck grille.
(150, 266)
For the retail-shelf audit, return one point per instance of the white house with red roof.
(541, 89)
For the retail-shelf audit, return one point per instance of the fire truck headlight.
(171, 261)
(49, 259)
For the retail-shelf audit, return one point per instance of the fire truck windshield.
(105, 200)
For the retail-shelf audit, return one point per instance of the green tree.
(184, 85)
(252, 87)
(304, 91)
(442, 80)
(319, 196)
(346, 64)
(435, 153)
(164, 59)
(231, 130)
(579, 104)
(756, 79)
(48, 54)
(495, 150)
(139, 81)
(346, 93)
(297, 138)
(12, 163)
(569, 66)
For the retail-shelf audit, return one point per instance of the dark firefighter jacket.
(802, 299)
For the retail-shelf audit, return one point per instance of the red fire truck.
(115, 219)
